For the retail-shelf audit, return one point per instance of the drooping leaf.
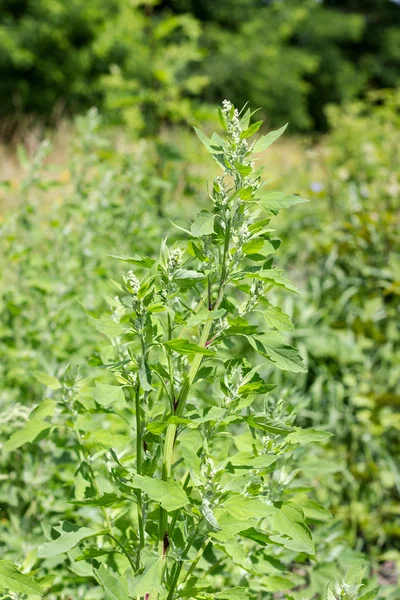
(32, 430)
(13, 580)
(169, 494)
(70, 536)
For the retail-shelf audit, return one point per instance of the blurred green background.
(155, 59)
(79, 183)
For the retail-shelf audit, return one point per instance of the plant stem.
(139, 472)
(178, 569)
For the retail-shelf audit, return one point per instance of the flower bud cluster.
(344, 591)
(133, 285)
(234, 130)
(236, 379)
(174, 260)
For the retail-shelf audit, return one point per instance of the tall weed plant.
(179, 473)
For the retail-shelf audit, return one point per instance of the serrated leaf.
(266, 140)
(284, 357)
(182, 346)
(275, 201)
(28, 433)
(203, 224)
(277, 319)
(305, 436)
(149, 581)
(105, 394)
(275, 277)
(71, 536)
(48, 380)
(115, 587)
(289, 521)
(107, 326)
(169, 494)
(13, 580)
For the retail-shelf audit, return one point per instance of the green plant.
(178, 453)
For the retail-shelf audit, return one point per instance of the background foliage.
(146, 60)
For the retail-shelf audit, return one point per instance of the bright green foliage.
(349, 246)
(182, 476)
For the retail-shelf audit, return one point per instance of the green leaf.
(243, 507)
(71, 536)
(284, 357)
(236, 593)
(251, 130)
(275, 277)
(105, 500)
(149, 581)
(371, 595)
(48, 380)
(243, 169)
(266, 140)
(289, 521)
(275, 201)
(305, 436)
(203, 224)
(277, 319)
(203, 138)
(256, 536)
(246, 459)
(115, 587)
(28, 433)
(11, 579)
(168, 493)
(105, 394)
(182, 346)
(107, 326)
(141, 261)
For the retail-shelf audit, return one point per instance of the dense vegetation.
(149, 61)
(71, 398)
